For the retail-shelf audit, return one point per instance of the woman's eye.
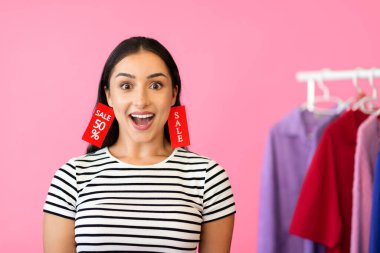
(156, 85)
(125, 86)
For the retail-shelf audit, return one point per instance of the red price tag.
(99, 125)
(179, 133)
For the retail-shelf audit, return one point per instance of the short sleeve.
(218, 199)
(62, 193)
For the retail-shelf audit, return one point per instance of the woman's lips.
(141, 123)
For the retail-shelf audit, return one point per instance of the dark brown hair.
(125, 48)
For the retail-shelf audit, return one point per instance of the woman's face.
(141, 84)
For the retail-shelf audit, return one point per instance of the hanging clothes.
(368, 144)
(289, 149)
(324, 208)
(374, 243)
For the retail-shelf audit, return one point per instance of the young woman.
(137, 193)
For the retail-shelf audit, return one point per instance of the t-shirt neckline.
(141, 166)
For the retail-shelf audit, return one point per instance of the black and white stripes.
(120, 207)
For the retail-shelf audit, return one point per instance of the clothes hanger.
(359, 92)
(366, 104)
(326, 97)
(377, 113)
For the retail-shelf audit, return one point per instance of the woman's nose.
(141, 97)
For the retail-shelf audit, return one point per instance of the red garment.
(324, 208)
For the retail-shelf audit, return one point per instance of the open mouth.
(142, 120)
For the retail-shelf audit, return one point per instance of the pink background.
(237, 60)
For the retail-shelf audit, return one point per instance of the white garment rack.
(311, 77)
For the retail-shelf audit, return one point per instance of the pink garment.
(368, 144)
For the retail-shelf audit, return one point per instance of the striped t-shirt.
(121, 207)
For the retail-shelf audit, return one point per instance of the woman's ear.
(108, 96)
(175, 93)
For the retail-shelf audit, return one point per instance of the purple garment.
(289, 150)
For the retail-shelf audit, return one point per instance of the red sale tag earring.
(179, 133)
(99, 125)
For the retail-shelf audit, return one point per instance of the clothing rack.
(311, 77)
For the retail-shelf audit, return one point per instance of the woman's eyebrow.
(132, 76)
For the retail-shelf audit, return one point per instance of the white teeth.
(142, 116)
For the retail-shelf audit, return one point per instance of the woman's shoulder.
(195, 157)
(94, 156)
